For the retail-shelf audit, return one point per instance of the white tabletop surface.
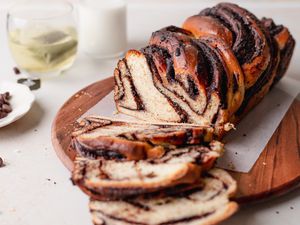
(34, 185)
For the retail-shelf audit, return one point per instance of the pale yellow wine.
(39, 52)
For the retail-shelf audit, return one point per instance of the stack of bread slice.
(143, 173)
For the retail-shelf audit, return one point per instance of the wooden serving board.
(276, 171)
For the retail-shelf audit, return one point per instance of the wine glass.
(42, 37)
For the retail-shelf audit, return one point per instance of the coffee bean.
(5, 106)
(3, 114)
(1, 162)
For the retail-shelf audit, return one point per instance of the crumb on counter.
(231, 166)
(16, 70)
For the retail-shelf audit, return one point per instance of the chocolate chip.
(244, 135)
(16, 70)
(162, 38)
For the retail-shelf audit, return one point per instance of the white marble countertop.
(34, 185)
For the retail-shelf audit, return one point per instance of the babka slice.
(115, 139)
(202, 206)
(111, 179)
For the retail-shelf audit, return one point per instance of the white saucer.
(21, 101)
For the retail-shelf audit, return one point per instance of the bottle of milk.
(102, 27)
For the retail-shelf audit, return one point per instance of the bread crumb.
(231, 166)
(16, 70)
(12, 210)
(229, 126)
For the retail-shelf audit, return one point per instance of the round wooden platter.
(276, 171)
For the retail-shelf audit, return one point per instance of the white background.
(28, 194)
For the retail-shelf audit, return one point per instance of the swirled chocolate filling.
(246, 44)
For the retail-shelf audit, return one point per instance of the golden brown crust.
(252, 68)
(229, 210)
(128, 149)
(286, 44)
(131, 140)
(203, 26)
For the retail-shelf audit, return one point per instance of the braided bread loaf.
(210, 72)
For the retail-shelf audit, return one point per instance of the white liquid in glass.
(102, 27)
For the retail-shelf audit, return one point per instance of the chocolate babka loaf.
(206, 205)
(115, 139)
(211, 72)
(112, 179)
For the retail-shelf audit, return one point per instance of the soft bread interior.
(205, 206)
(154, 102)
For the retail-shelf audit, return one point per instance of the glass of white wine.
(42, 36)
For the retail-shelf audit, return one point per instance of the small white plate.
(21, 101)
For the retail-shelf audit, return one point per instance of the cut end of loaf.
(155, 106)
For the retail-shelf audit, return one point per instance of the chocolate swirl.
(213, 70)
(249, 39)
